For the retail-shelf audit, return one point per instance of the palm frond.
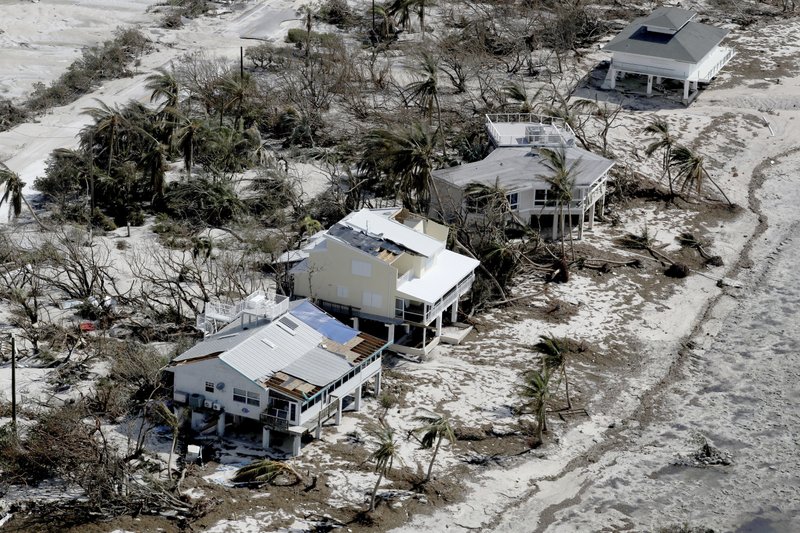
(267, 471)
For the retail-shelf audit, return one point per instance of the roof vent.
(288, 323)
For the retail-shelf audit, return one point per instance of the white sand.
(738, 388)
(743, 404)
(38, 40)
(25, 148)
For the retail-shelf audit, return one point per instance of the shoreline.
(557, 489)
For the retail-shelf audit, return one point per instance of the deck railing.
(423, 314)
(259, 304)
(274, 422)
(560, 133)
(714, 70)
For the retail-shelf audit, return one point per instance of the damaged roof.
(305, 343)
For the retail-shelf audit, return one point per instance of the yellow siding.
(331, 269)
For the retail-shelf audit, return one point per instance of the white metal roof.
(377, 224)
(318, 367)
(287, 344)
(446, 272)
(256, 359)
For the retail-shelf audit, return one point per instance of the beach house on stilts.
(517, 167)
(668, 44)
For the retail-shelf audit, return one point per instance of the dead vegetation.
(375, 114)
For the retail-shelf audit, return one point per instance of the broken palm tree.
(268, 471)
(688, 240)
(646, 241)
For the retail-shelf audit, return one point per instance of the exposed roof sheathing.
(298, 352)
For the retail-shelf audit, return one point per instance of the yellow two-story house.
(390, 270)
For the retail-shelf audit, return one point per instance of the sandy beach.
(714, 356)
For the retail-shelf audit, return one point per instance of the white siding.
(192, 377)
(667, 68)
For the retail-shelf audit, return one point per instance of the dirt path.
(25, 148)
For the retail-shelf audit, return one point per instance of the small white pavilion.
(669, 44)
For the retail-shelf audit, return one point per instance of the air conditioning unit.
(196, 400)
(216, 406)
(207, 404)
(179, 396)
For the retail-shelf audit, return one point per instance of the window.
(513, 200)
(243, 396)
(342, 292)
(209, 386)
(361, 268)
(540, 197)
(371, 299)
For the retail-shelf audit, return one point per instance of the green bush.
(336, 12)
(297, 36)
(172, 20)
(10, 114)
(202, 201)
(97, 63)
(101, 220)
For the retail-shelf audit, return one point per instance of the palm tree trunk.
(540, 422)
(375, 491)
(35, 217)
(566, 385)
(571, 242)
(433, 458)
(439, 117)
(172, 452)
(668, 170)
(422, 18)
(718, 188)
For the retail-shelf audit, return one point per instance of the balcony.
(410, 311)
(275, 418)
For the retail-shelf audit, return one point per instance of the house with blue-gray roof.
(669, 44)
(275, 368)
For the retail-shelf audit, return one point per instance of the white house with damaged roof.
(517, 167)
(391, 272)
(669, 44)
(278, 369)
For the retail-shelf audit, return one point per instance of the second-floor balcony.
(423, 313)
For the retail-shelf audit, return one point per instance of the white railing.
(451, 297)
(560, 132)
(259, 304)
(423, 314)
(713, 71)
(596, 191)
(634, 68)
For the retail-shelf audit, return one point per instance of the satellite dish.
(220, 386)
